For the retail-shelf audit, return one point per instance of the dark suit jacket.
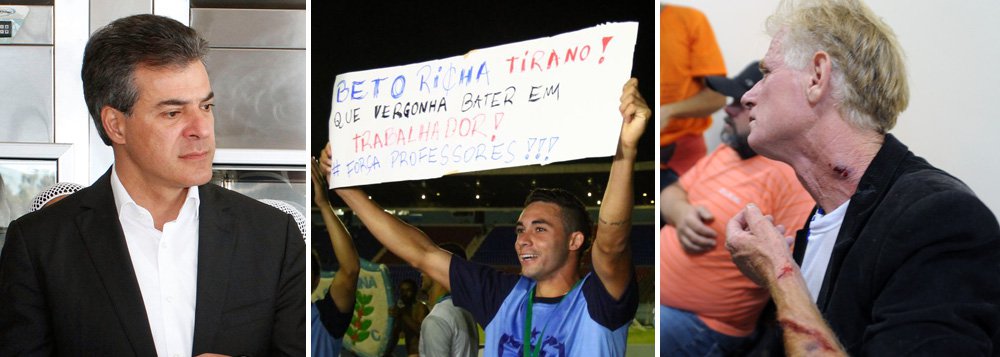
(67, 285)
(916, 266)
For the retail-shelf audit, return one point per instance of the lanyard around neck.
(528, 349)
(442, 298)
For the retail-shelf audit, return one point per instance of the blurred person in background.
(708, 308)
(332, 313)
(448, 330)
(688, 54)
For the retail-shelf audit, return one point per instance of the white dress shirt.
(823, 231)
(166, 266)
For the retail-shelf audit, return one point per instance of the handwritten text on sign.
(533, 102)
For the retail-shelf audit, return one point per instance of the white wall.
(952, 51)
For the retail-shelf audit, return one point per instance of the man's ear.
(113, 122)
(576, 240)
(820, 71)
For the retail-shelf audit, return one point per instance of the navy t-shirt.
(336, 322)
(482, 289)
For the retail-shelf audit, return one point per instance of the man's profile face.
(737, 128)
(170, 135)
(779, 109)
(542, 243)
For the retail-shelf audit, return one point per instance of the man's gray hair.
(869, 73)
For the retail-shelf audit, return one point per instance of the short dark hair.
(574, 213)
(115, 51)
(409, 281)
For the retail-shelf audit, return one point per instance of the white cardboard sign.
(541, 101)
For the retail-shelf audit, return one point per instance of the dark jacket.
(916, 266)
(915, 269)
(67, 285)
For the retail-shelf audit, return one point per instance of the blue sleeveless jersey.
(569, 329)
(586, 322)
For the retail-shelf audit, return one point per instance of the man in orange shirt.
(708, 307)
(688, 54)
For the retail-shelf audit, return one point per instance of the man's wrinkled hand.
(758, 247)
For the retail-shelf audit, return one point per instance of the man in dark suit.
(151, 259)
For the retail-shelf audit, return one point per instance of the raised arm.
(611, 254)
(345, 283)
(402, 239)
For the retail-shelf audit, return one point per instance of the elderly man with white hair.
(899, 257)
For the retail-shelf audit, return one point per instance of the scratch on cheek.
(818, 340)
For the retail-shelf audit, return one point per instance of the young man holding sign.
(550, 306)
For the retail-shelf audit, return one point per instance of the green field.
(641, 336)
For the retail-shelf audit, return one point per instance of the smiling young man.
(151, 259)
(550, 308)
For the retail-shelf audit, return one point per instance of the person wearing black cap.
(708, 307)
(736, 136)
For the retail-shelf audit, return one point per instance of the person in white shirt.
(448, 330)
(151, 259)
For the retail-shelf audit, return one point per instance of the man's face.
(737, 129)
(779, 108)
(170, 136)
(408, 292)
(542, 243)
